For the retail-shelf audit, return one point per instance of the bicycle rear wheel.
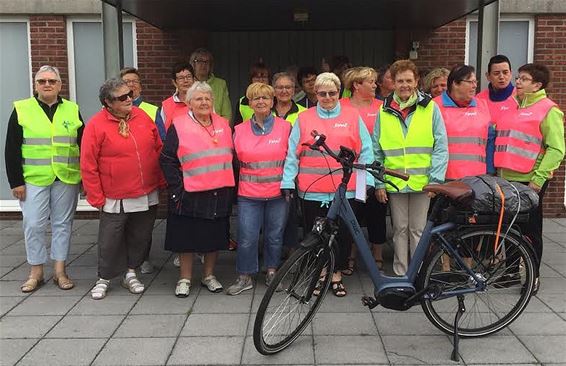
(509, 271)
(289, 305)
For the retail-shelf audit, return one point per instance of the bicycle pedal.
(370, 302)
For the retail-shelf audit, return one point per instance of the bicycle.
(451, 261)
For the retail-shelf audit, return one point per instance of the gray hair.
(47, 68)
(281, 75)
(108, 88)
(327, 79)
(199, 87)
(202, 51)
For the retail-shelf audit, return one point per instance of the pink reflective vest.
(467, 130)
(261, 159)
(519, 139)
(496, 108)
(172, 109)
(205, 153)
(368, 114)
(342, 130)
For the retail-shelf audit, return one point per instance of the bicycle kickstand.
(461, 310)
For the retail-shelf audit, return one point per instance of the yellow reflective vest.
(411, 153)
(49, 149)
(150, 109)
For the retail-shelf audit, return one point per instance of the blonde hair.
(327, 79)
(259, 89)
(358, 75)
(439, 72)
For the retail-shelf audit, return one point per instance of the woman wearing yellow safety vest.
(409, 136)
(42, 164)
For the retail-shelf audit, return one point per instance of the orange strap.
(501, 212)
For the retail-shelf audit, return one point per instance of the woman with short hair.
(284, 106)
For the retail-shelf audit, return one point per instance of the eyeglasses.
(284, 87)
(328, 94)
(47, 81)
(473, 82)
(132, 81)
(201, 61)
(184, 77)
(124, 97)
(523, 79)
(262, 97)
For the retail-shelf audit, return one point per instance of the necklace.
(211, 134)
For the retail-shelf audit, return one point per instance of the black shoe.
(535, 287)
(507, 280)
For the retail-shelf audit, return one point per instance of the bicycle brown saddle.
(455, 190)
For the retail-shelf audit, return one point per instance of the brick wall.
(550, 50)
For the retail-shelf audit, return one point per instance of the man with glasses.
(203, 63)
(42, 165)
(500, 91)
(131, 76)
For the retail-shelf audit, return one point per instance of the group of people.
(130, 150)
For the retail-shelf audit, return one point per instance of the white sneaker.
(146, 267)
(183, 287)
(212, 284)
(177, 261)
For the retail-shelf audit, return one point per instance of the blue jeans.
(253, 215)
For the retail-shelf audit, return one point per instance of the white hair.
(47, 68)
(199, 86)
(327, 79)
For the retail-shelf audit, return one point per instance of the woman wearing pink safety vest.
(468, 125)
(530, 144)
(361, 81)
(261, 147)
(197, 163)
(342, 125)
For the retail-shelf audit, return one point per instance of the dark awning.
(246, 15)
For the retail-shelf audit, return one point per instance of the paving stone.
(86, 326)
(300, 352)
(547, 270)
(17, 249)
(344, 324)
(12, 260)
(11, 288)
(85, 260)
(547, 349)
(556, 301)
(13, 349)
(84, 273)
(419, 349)
(223, 325)
(553, 285)
(347, 304)
(135, 351)
(110, 305)
(495, 350)
(60, 352)
(139, 326)
(26, 326)
(206, 351)
(552, 227)
(401, 323)
(539, 324)
(50, 289)
(163, 305)
(8, 302)
(221, 303)
(21, 273)
(348, 349)
(45, 305)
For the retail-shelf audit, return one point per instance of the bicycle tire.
(510, 281)
(293, 281)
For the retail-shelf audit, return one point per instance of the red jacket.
(120, 167)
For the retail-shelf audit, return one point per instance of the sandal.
(98, 292)
(63, 282)
(351, 266)
(318, 287)
(338, 288)
(133, 285)
(32, 284)
(183, 287)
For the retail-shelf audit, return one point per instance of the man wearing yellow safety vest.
(42, 165)
(132, 77)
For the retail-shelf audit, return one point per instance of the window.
(86, 60)
(15, 67)
(516, 40)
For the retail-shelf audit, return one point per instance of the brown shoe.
(32, 284)
(63, 282)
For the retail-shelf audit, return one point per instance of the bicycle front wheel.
(289, 304)
(508, 268)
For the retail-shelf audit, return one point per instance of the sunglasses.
(47, 81)
(124, 97)
(329, 94)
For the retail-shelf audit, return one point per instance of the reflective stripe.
(207, 169)
(519, 136)
(65, 140)
(316, 153)
(263, 164)
(467, 157)
(37, 141)
(408, 150)
(319, 171)
(261, 179)
(417, 171)
(466, 140)
(28, 161)
(205, 153)
(516, 150)
(66, 159)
